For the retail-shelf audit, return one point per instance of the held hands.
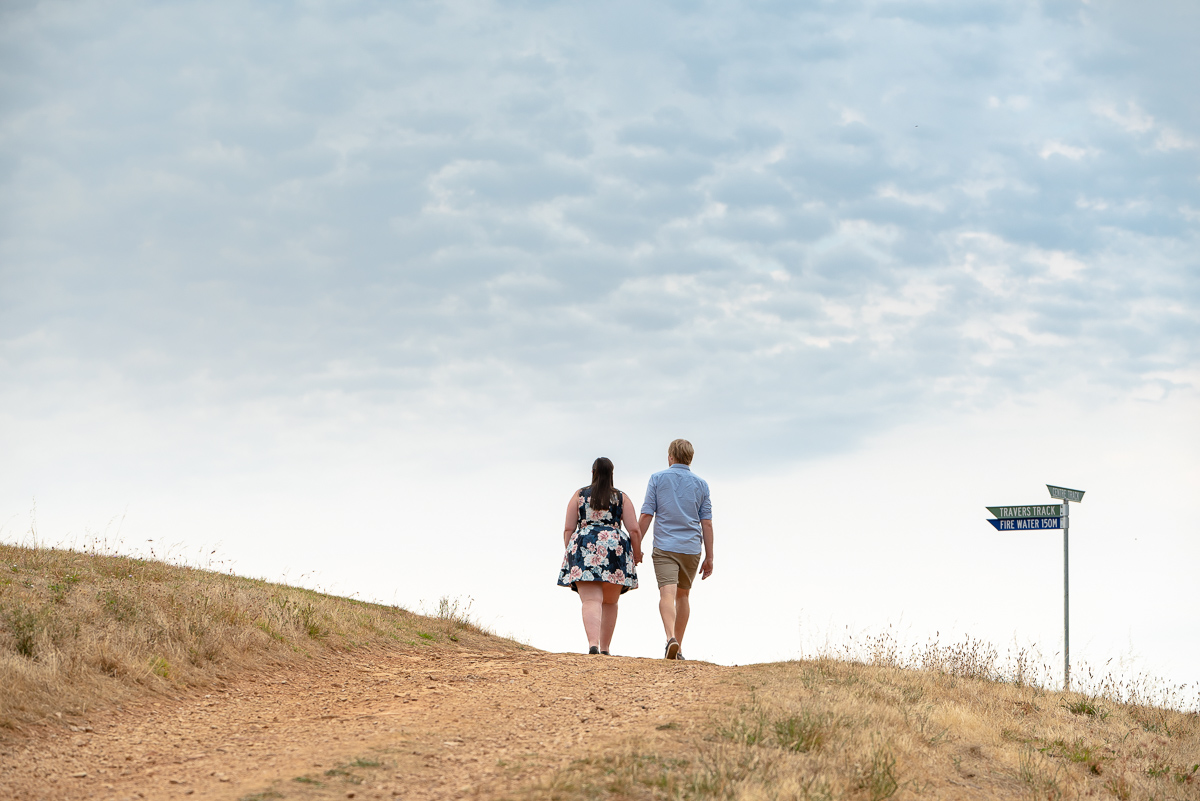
(637, 555)
(706, 568)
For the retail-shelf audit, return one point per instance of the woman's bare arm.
(572, 518)
(629, 518)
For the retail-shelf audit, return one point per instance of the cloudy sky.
(355, 292)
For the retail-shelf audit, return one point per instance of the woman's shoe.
(672, 649)
(594, 649)
(605, 653)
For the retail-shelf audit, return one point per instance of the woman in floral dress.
(600, 563)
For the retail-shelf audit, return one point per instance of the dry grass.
(977, 659)
(830, 729)
(81, 630)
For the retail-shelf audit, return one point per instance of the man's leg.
(666, 607)
(666, 571)
(608, 614)
(683, 610)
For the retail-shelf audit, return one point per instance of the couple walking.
(601, 560)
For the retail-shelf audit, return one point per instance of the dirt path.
(428, 724)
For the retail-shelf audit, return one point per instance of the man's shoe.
(672, 649)
(594, 649)
(679, 655)
(605, 653)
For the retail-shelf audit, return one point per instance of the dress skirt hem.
(599, 553)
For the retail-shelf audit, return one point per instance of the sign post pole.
(1066, 523)
(1042, 516)
(1066, 496)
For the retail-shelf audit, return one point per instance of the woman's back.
(609, 518)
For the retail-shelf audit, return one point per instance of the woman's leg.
(608, 614)
(591, 595)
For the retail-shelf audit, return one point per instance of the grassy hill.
(826, 729)
(82, 632)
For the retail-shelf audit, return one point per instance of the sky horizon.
(357, 292)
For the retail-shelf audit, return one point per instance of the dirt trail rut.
(427, 724)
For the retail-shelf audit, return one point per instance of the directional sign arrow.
(1026, 523)
(1064, 494)
(1046, 510)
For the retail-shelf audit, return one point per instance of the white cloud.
(849, 116)
(1012, 102)
(1012, 270)
(891, 192)
(218, 152)
(1169, 140)
(1056, 148)
(1059, 266)
(1132, 119)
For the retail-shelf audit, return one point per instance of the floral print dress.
(599, 550)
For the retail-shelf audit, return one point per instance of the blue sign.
(1027, 523)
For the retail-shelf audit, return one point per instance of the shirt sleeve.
(650, 503)
(705, 504)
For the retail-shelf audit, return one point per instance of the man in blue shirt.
(678, 502)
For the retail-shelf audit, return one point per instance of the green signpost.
(1017, 512)
(1064, 494)
(1037, 517)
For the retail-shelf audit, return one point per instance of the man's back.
(679, 500)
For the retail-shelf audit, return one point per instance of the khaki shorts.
(675, 568)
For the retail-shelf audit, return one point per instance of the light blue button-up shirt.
(679, 500)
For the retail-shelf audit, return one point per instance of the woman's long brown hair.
(602, 484)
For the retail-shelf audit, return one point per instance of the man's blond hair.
(681, 451)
